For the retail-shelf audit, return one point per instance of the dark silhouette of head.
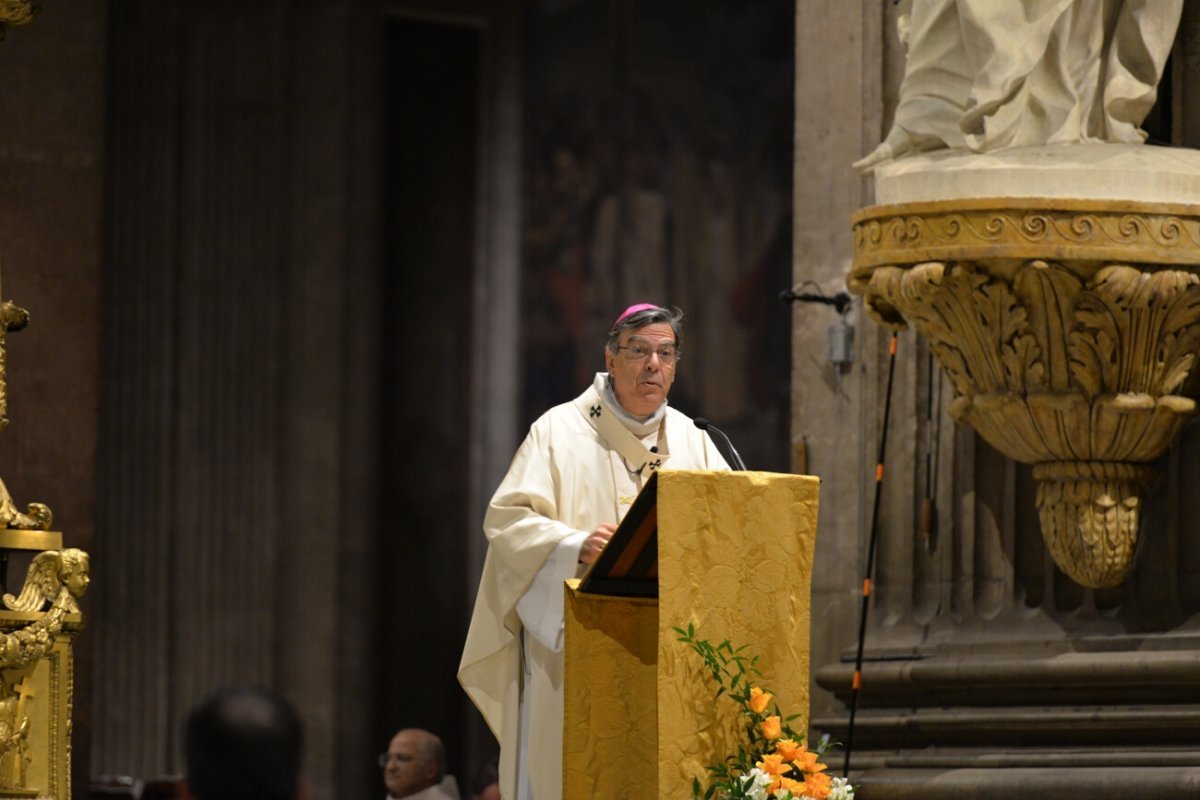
(243, 743)
(485, 783)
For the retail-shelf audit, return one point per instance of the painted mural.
(658, 168)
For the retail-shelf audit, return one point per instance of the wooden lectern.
(729, 552)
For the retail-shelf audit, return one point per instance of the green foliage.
(735, 673)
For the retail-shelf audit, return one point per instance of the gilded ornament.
(38, 516)
(59, 578)
(50, 574)
(12, 318)
(14, 733)
(16, 12)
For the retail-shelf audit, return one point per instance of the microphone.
(736, 458)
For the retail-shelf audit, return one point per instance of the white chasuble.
(578, 467)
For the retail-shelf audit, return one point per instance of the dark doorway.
(432, 121)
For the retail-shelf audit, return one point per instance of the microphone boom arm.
(735, 457)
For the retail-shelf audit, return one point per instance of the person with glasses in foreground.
(570, 484)
(414, 767)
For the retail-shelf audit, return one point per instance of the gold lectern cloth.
(735, 555)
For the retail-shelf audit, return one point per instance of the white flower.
(841, 790)
(755, 783)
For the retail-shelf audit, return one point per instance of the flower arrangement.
(774, 761)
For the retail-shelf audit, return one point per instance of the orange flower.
(795, 787)
(807, 762)
(773, 765)
(789, 749)
(771, 728)
(816, 785)
(759, 700)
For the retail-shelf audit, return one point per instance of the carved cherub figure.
(51, 574)
(60, 576)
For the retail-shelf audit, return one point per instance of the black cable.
(856, 683)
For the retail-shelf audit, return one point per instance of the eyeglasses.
(400, 758)
(667, 355)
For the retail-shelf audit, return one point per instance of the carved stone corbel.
(1067, 330)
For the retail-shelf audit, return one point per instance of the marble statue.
(986, 75)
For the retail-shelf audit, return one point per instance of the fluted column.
(238, 415)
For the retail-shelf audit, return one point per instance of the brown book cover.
(628, 565)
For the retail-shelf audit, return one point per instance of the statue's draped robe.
(990, 75)
(577, 468)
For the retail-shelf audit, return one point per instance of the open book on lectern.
(628, 564)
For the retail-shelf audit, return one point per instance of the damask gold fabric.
(735, 560)
(610, 731)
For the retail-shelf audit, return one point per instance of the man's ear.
(608, 360)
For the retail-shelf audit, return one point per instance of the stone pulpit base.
(1059, 289)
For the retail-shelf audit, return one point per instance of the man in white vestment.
(414, 767)
(570, 484)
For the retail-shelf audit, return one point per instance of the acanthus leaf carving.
(1136, 331)
(1047, 291)
(1055, 368)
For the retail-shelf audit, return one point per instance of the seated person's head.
(415, 760)
(485, 783)
(242, 743)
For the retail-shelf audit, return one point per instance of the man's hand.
(595, 542)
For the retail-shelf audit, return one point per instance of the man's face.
(408, 771)
(641, 385)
